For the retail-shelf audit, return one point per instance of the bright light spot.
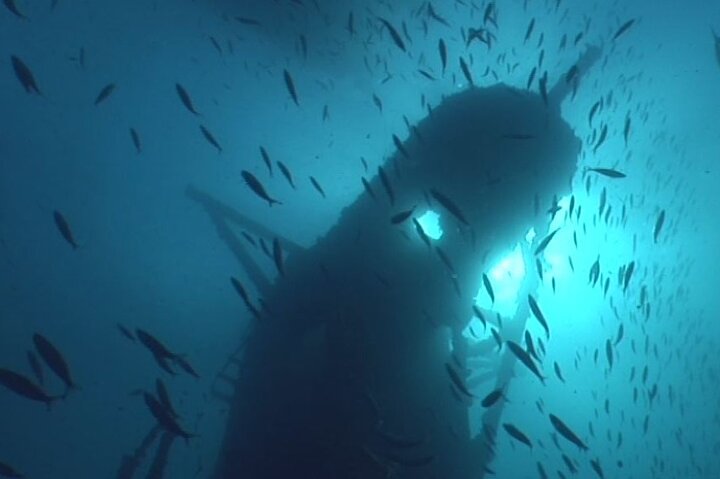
(430, 222)
(530, 235)
(506, 278)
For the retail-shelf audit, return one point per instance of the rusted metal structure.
(344, 374)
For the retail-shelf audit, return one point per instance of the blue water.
(149, 257)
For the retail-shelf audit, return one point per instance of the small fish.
(531, 78)
(517, 434)
(266, 160)
(658, 225)
(400, 217)
(623, 28)
(286, 173)
(442, 50)
(36, 367)
(136, 140)
(610, 173)
(545, 241)
(601, 140)
(488, 287)
(104, 93)
(529, 30)
(54, 360)
(278, 257)
(620, 334)
(125, 332)
(257, 187)
(22, 386)
(397, 39)
(164, 417)
(445, 259)
(466, 72)
(480, 316)
(317, 186)
(627, 127)
(449, 205)
(491, 398)
(64, 228)
(457, 381)
(543, 88)
(401, 148)
(368, 188)
(566, 432)
(525, 358)
(558, 372)
(609, 353)
(185, 366)
(185, 98)
(538, 314)
(210, 138)
(24, 75)
(246, 299)
(628, 275)
(378, 102)
(386, 184)
(595, 463)
(164, 397)
(290, 85)
(10, 4)
(350, 26)
(159, 351)
(421, 232)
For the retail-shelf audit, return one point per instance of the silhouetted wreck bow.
(343, 374)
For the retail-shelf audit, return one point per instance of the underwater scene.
(345, 239)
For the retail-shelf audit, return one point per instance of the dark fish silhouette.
(160, 353)
(488, 287)
(397, 39)
(457, 381)
(22, 386)
(185, 366)
(368, 188)
(64, 228)
(558, 372)
(278, 257)
(492, 398)
(286, 173)
(401, 216)
(716, 37)
(449, 205)
(104, 93)
(246, 299)
(517, 434)
(36, 367)
(538, 314)
(164, 397)
(257, 187)
(210, 138)
(266, 160)
(290, 85)
(10, 4)
(125, 332)
(317, 186)
(546, 240)
(164, 417)
(386, 184)
(54, 360)
(610, 173)
(185, 98)
(24, 75)
(566, 432)
(595, 463)
(659, 222)
(524, 358)
(136, 140)
(623, 28)
(466, 72)
(442, 50)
